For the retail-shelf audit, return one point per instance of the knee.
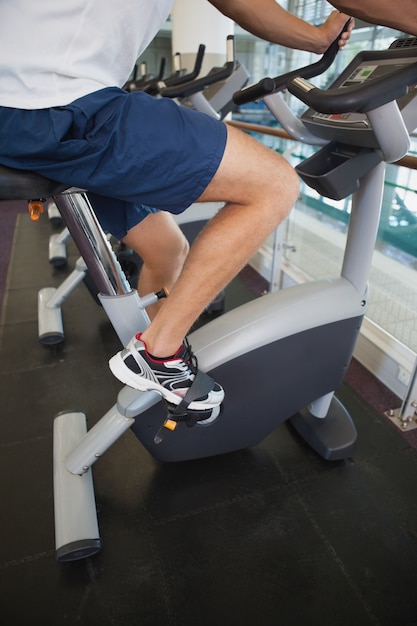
(169, 252)
(267, 178)
(288, 186)
(177, 249)
(280, 186)
(282, 176)
(159, 242)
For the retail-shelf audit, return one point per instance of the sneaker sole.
(213, 417)
(122, 373)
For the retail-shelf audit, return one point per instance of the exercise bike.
(291, 347)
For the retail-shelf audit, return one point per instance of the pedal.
(190, 418)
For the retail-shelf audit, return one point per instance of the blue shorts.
(130, 150)
(118, 216)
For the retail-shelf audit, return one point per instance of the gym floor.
(272, 535)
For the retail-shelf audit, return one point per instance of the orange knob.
(35, 208)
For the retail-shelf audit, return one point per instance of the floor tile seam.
(300, 482)
(23, 442)
(164, 584)
(216, 506)
(146, 526)
(12, 258)
(69, 358)
(403, 448)
(361, 464)
(8, 324)
(330, 549)
(344, 466)
(406, 450)
(27, 559)
(338, 561)
(31, 368)
(104, 600)
(4, 302)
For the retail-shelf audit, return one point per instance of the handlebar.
(268, 86)
(265, 87)
(152, 86)
(185, 78)
(143, 71)
(189, 88)
(360, 98)
(141, 83)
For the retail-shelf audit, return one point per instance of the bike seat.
(23, 185)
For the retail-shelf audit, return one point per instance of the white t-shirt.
(55, 51)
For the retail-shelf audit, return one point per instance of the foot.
(171, 377)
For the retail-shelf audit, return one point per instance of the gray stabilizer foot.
(76, 527)
(333, 437)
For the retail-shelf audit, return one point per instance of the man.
(63, 115)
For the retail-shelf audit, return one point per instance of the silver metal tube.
(363, 228)
(92, 243)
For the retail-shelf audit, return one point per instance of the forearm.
(401, 14)
(268, 20)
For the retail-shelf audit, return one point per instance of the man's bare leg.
(259, 188)
(163, 249)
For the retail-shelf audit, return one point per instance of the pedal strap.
(200, 387)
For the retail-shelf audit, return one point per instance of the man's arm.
(270, 21)
(398, 14)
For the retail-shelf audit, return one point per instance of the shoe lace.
(189, 357)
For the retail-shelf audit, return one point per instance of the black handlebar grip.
(314, 69)
(185, 78)
(254, 92)
(161, 68)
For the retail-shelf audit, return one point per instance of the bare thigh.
(250, 173)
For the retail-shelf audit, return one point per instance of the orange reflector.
(35, 209)
(170, 424)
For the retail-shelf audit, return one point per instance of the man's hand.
(268, 20)
(333, 26)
